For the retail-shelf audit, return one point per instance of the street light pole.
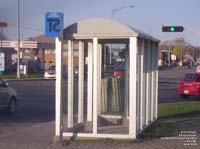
(18, 41)
(120, 8)
(112, 16)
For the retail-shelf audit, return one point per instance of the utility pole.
(181, 62)
(169, 57)
(18, 40)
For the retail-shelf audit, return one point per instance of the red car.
(190, 86)
(119, 73)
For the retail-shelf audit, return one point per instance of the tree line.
(180, 47)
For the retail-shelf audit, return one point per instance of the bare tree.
(3, 37)
(180, 47)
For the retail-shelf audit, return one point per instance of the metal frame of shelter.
(141, 81)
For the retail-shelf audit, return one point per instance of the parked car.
(190, 85)
(119, 72)
(50, 73)
(8, 97)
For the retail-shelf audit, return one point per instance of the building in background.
(36, 54)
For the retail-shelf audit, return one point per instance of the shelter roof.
(103, 29)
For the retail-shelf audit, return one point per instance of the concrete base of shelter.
(58, 139)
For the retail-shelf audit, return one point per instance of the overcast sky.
(147, 15)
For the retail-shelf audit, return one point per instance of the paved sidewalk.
(41, 136)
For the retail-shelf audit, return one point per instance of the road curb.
(28, 79)
(165, 82)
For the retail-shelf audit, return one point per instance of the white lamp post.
(120, 8)
(18, 41)
(113, 12)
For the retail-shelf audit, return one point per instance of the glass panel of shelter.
(65, 111)
(84, 126)
(64, 90)
(113, 106)
(112, 116)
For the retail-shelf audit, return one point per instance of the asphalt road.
(36, 109)
(168, 85)
(36, 106)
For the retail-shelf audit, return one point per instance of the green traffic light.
(172, 29)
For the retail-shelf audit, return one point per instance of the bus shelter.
(112, 89)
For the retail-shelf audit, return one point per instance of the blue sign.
(53, 24)
(2, 61)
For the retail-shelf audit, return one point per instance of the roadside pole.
(58, 87)
(18, 41)
(54, 28)
(181, 62)
(169, 57)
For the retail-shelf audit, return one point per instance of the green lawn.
(178, 109)
(13, 76)
(173, 118)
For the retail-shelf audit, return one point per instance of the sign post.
(2, 55)
(54, 28)
(2, 62)
(54, 24)
(2, 25)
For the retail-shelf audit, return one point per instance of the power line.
(26, 27)
(194, 31)
(13, 22)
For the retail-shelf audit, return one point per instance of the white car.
(51, 72)
(8, 97)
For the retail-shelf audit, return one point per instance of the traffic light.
(172, 28)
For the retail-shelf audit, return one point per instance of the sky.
(146, 15)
